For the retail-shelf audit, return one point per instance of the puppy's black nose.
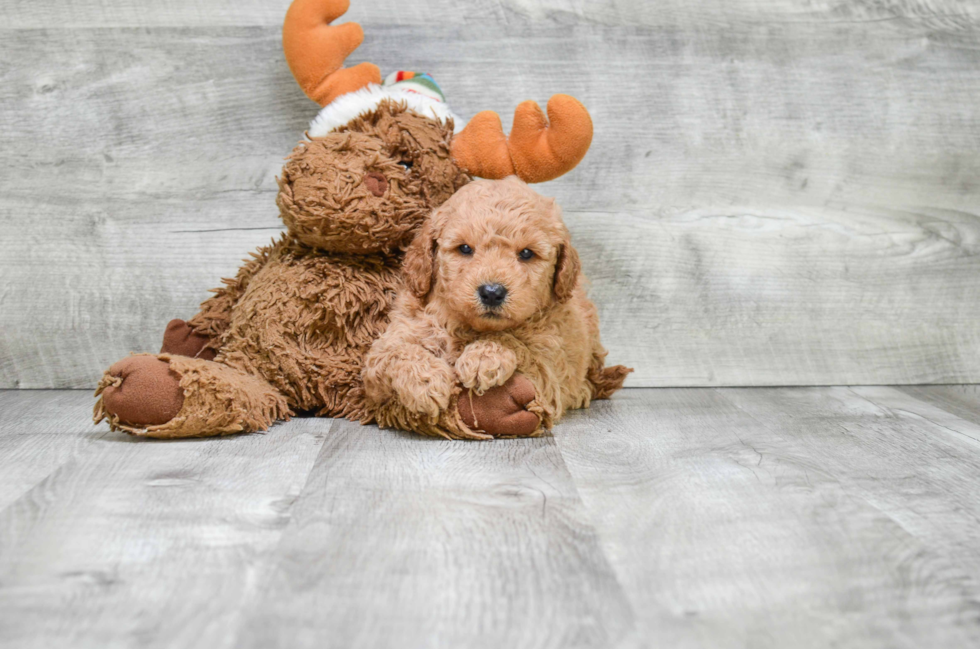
(492, 294)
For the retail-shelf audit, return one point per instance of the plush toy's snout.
(376, 183)
(351, 193)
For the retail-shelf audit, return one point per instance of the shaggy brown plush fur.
(442, 334)
(289, 332)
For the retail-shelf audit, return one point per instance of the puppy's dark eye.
(526, 254)
(465, 249)
(406, 163)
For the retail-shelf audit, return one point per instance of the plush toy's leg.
(180, 338)
(175, 396)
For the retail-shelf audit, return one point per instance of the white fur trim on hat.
(354, 104)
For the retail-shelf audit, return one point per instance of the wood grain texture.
(793, 517)
(778, 192)
(38, 434)
(403, 541)
(946, 14)
(911, 461)
(124, 543)
(777, 518)
(960, 400)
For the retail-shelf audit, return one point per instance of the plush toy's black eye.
(406, 163)
(465, 249)
(526, 254)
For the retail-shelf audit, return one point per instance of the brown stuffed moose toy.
(290, 331)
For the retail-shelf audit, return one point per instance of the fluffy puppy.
(494, 297)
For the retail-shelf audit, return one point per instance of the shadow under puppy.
(494, 297)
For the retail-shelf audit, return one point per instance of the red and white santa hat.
(418, 90)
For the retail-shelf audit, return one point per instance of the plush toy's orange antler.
(535, 151)
(315, 50)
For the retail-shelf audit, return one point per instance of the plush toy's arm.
(413, 388)
(501, 411)
(543, 377)
(215, 314)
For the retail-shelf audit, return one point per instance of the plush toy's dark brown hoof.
(148, 394)
(501, 411)
(180, 339)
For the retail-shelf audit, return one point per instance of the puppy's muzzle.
(492, 295)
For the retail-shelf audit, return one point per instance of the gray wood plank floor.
(689, 517)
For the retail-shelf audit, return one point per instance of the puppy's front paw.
(485, 364)
(426, 388)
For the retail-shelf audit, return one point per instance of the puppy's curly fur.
(545, 329)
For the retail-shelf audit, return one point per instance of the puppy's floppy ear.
(419, 265)
(567, 270)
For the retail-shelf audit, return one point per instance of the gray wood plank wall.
(780, 192)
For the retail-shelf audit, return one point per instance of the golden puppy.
(493, 297)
